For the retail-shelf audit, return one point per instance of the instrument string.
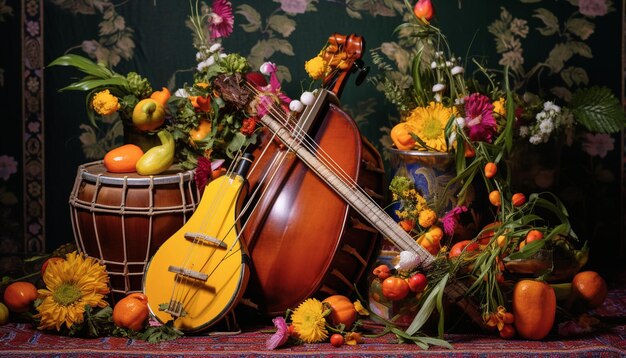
(302, 137)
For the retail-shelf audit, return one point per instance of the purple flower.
(451, 218)
(294, 6)
(598, 144)
(479, 119)
(592, 7)
(222, 20)
(281, 336)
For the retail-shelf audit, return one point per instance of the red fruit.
(424, 9)
(48, 261)
(518, 199)
(507, 331)
(336, 340)
(417, 283)
(395, 288)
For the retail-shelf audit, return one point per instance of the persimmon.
(131, 312)
(19, 296)
(395, 288)
(343, 310)
(534, 308)
(591, 287)
(123, 159)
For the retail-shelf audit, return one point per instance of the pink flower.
(598, 144)
(592, 7)
(281, 336)
(451, 218)
(270, 94)
(294, 6)
(8, 166)
(222, 20)
(479, 117)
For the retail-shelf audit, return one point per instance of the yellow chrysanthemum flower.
(316, 67)
(104, 103)
(430, 123)
(360, 309)
(309, 322)
(70, 285)
(427, 218)
(499, 106)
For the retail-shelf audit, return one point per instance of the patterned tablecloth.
(20, 340)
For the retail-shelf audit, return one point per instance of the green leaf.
(574, 76)
(88, 85)
(427, 307)
(550, 21)
(253, 17)
(580, 27)
(598, 110)
(558, 56)
(436, 342)
(282, 24)
(83, 64)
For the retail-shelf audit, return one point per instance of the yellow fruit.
(148, 115)
(4, 314)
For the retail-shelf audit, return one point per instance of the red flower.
(203, 173)
(248, 126)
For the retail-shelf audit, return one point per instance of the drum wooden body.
(122, 219)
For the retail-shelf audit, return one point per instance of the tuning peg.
(362, 71)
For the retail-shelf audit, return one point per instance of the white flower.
(549, 106)
(535, 139)
(452, 139)
(448, 64)
(206, 63)
(181, 92)
(215, 47)
(199, 56)
(408, 261)
(438, 97)
(456, 70)
(460, 122)
(267, 68)
(296, 106)
(307, 98)
(433, 65)
(546, 127)
(222, 55)
(438, 87)
(459, 101)
(524, 131)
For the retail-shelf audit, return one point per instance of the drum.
(122, 219)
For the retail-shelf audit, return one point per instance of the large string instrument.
(317, 226)
(309, 226)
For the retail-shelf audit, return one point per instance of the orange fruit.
(534, 308)
(591, 287)
(494, 198)
(491, 169)
(532, 235)
(518, 199)
(122, 159)
(467, 245)
(131, 312)
(19, 296)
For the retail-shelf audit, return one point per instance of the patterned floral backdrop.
(552, 47)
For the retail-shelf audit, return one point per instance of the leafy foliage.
(598, 110)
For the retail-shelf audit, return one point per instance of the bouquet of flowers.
(197, 117)
(480, 123)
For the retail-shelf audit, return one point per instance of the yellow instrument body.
(201, 302)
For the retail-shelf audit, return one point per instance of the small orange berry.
(491, 169)
(518, 199)
(494, 198)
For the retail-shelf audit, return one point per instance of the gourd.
(343, 310)
(401, 136)
(157, 159)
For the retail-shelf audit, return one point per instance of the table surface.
(609, 341)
